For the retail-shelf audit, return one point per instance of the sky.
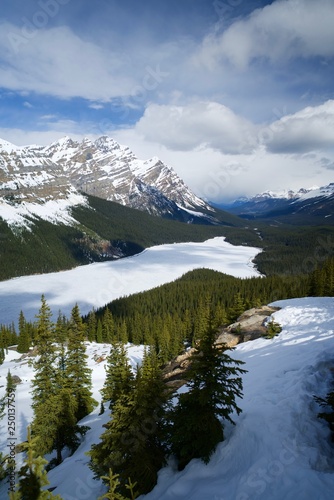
(236, 95)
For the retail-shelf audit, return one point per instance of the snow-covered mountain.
(103, 168)
(314, 201)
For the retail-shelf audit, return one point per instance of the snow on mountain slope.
(101, 168)
(278, 449)
(53, 210)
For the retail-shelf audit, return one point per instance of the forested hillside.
(105, 231)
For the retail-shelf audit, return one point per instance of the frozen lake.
(96, 284)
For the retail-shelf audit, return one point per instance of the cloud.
(311, 129)
(280, 31)
(95, 105)
(198, 124)
(58, 62)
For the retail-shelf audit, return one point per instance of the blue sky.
(236, 95)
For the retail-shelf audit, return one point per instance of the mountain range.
(32, 176)
(289, 206)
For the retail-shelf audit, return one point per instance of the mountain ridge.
(102, 168)
(304, 205)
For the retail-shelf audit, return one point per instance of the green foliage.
(322, 280)
(113, 483)
(133, 445)
(61, 385)
(44, 381)
(177, 313)
(77, 373)
(214, 383)
(24, 340)
(273, 329)
(119, 379)
(33, 476)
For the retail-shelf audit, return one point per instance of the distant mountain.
(34, 176)
(304, 205)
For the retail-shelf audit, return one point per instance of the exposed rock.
(16, 380)
(175, 369)
(249, 326)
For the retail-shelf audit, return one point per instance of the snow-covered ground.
(278, 450)
(96, 284)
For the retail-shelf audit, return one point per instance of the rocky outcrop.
(250, 325)
(174, 371)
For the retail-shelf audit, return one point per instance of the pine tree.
(99, 337)
(33, 475)
(2, 355)
(78, 375)
(91, 326)
(108, 326)
(55, 402)
(119, 377)
(201, 321)
(237, 308)
(133, 445)
(214, 382)
(44, 382)
(23, 339)
(113, 483)
(55, 424)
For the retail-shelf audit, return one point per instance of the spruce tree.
(23, 339)
(237, 308)
(33, 475)
(91, 326)
(55, 400)
(44, 382)
(113, 483)
(133, 444)
(99, 336)
(213, 384)
(77, 373)
(201, 322)
(2, 354)
(108, 327)
(119, 377)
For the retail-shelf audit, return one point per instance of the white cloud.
(95, 105)
(198, 124)
(210, 171)
(224, 177)
(282, 30)
(59, 63)
(311, 129)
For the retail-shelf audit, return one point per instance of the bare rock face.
(249, 326)
(174, 371)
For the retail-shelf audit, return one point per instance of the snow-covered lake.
(97, 284)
